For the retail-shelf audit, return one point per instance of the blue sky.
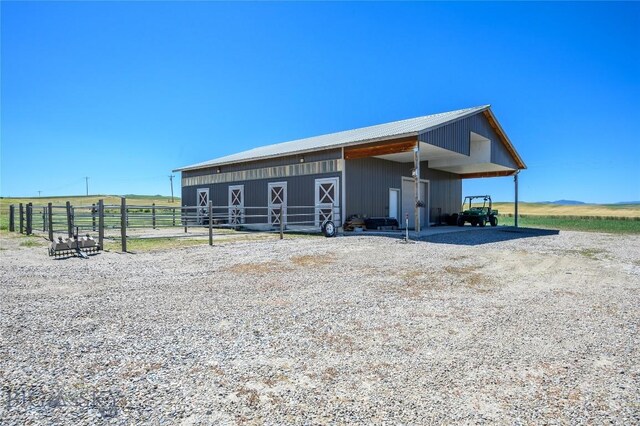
(125, 92)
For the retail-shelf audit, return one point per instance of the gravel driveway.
(515, 329)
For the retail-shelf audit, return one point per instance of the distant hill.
(564, 202)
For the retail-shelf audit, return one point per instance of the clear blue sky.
(125, 92)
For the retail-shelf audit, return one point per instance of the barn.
(411, 167)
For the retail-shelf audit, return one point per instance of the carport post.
(50, 219)
(515, 183)
(416, 178)
(123, 223)
(101, 224)
(210, 222)
(281, 216)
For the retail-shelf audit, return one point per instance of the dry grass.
(255, 268)
(542, 209)
(470, 277)
(308, 260)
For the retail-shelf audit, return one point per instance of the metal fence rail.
(69, 220)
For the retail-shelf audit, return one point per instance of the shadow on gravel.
(474, 238)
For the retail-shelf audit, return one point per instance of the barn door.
(236, 204)
(203, 204)
(326, 196)
(277, 201)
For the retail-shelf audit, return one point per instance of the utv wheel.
(494, 221)
(483, 222)
(460, 221)
(474, 222)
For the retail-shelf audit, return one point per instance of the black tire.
(493, 220)
(329, 230)
(460, 221)
(474, 222)
(483, 222)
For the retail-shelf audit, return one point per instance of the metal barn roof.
(408, 127)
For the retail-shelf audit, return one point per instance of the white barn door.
(277, 201)
(327, 195)
(236, 204)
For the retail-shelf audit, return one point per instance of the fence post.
(44, 219)
(93, 217)
(123, 223)
(50, 219)
(69, 220)
(174, 216)
(29, 219)
(153, 215)
(101, 224)
(281, 216)
(21, 207)
(210, 222)
(12, 218)
(183, 215)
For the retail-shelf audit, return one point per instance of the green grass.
(576, 223)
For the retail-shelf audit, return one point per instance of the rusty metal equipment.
(75, 246)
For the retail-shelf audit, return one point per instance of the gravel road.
(480, 327)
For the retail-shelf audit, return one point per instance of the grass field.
(617, 225)
(585, 210)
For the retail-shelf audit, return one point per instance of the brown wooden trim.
(503, 138)
(488, 174)
(393, 146)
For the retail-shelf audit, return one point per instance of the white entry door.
(277, 201)
(326, 196)
(394, 203)
(409, 202)
(236, 204)
(203, 204)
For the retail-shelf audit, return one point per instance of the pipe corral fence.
(54, 220)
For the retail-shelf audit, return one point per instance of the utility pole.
(39, 192)
(171, 180)
(86, 178)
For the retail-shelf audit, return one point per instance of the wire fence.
(66, 219)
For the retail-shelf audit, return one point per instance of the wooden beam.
(487, 174)
(393, 146)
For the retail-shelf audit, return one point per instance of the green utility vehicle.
(475, 214)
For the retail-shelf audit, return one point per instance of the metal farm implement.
(77, 245)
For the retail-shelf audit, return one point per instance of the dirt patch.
(313, 260)
(257, 268)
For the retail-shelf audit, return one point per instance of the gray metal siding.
(456, 137)
(300, 192)
(331, 154)
(368, 181)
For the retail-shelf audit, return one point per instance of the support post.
(93, 217)
(210, 222)
(101, 224)
(21, 207)
(153, 215)
(12, 218)
(123, 223)
(416, 171)
(29, 219)
(44, 219)
(50, 220)
(281, 218)
(174, 216)
(183, 215)
(69, 220)
(515, 183)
